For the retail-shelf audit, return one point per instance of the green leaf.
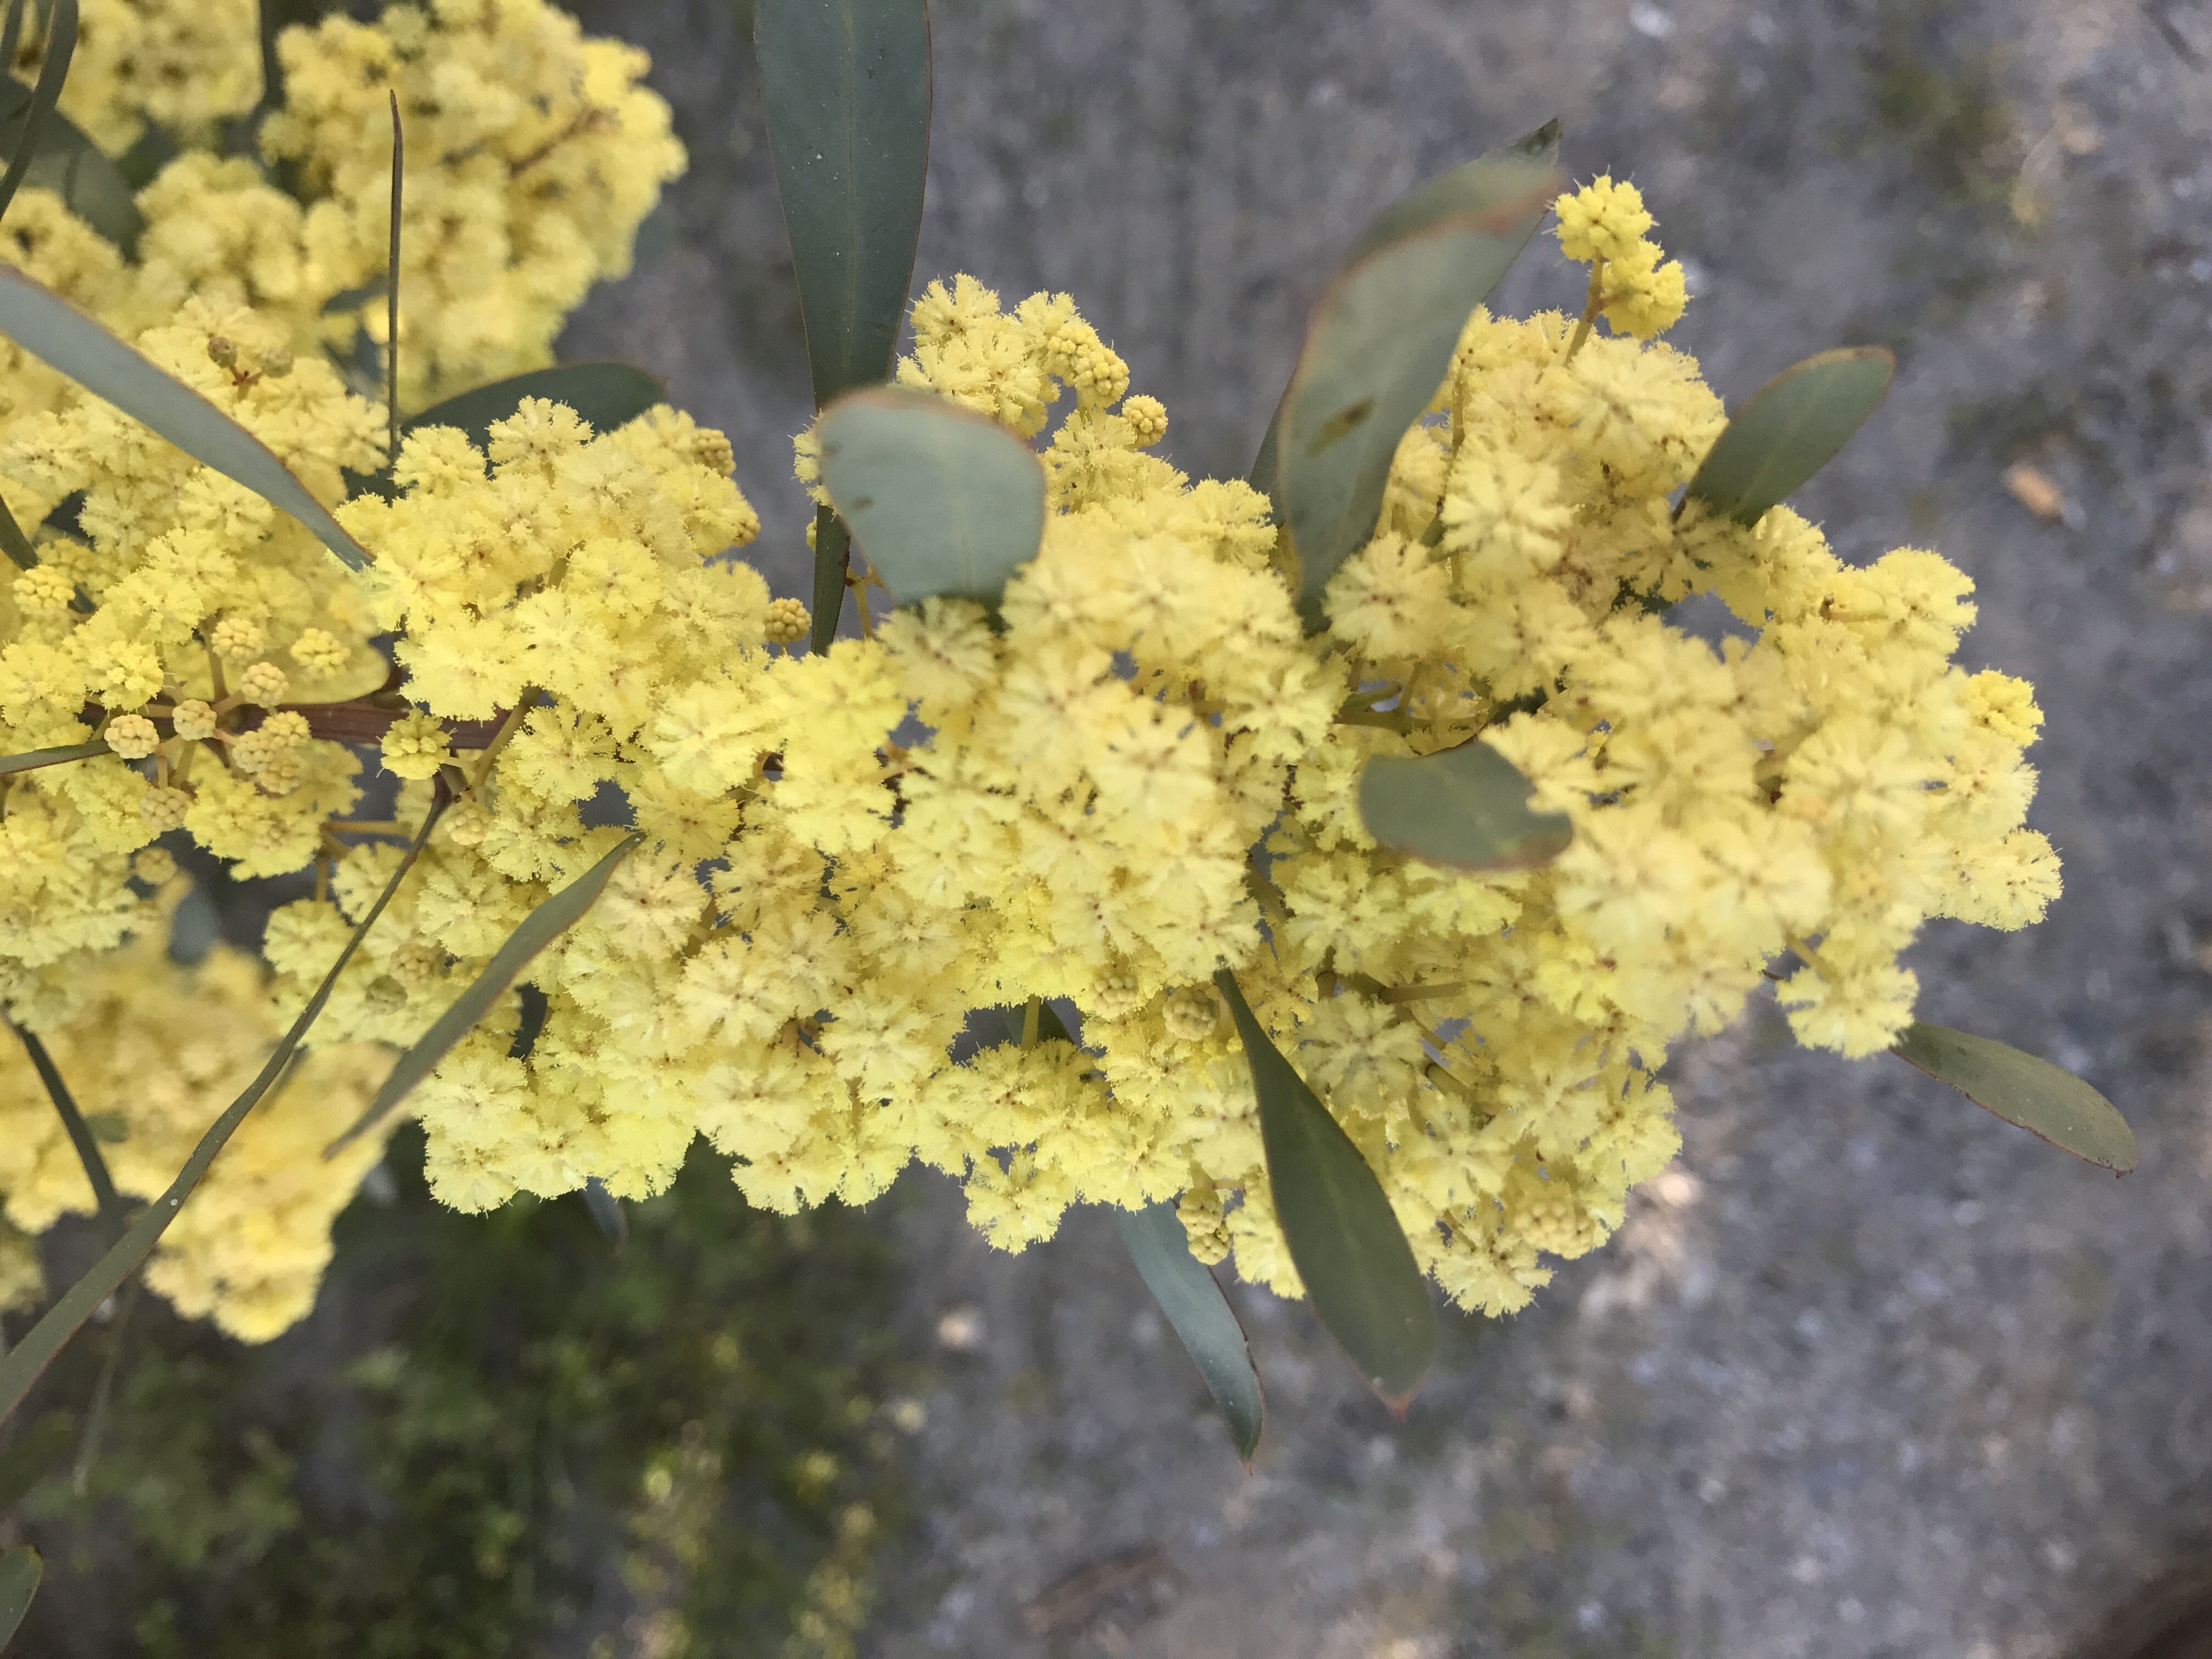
(1793, 425)
(940, 499)
(1187, 1294)
(20, 1572)
(1344, 1237)
(112, 1211)
(2040, 1097)
(1191, 1298)
(607, 395)
(1380, 343)
(22, 1366)
(1541, 146)
(76, 169)
(60, 47)
(846, 87)
(1466, 807)
(553, 917)
(31, 759)
(833, 554)
(56, 332)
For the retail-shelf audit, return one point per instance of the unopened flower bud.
(1191, 1013)
(194, 720)
(163, 808)
(132, 737)
(787, 620)
(263, 683)
(236, 638)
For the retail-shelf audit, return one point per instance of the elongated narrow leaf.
(31, 759)
(607, 395)
(1380, 343)
(1540, 147)
(845, 84)
(833, 555)
(23, 1365)
(554, 917)
(1345, 1239)
(63, 337)
(1466, 807)
(1793, 425)
(941, 500)
(61, 47)
(72, 165)
(2040, 1097)
(106, 1199)
(1191, 1298)
(20, 1572)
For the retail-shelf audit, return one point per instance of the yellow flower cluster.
(1817, 785)
(43, 238)
(1138, 768)
(533, 155)
(535, 152)
(178, 617)
(1607, 226)
(182, 65)
(153, 1055)
(573, 590)
(1141, 769)
(193, 606)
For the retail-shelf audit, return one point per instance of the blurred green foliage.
(1947, 106)
(497, 1436)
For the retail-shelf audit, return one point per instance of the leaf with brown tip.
(2048, 1102)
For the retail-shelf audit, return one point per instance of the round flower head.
(132, 736)
(263, 683)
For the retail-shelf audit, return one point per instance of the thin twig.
(1590, 309)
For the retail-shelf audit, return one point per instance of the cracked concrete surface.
(1868, 1372)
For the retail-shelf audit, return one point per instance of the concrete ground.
(1868, 1372)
